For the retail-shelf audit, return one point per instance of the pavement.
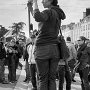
(20, 85)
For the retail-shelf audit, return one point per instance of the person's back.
(46, 51)
(48, 25)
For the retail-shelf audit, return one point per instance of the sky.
(14, 11)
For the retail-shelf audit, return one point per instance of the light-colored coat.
(30, 50)
(72, 50)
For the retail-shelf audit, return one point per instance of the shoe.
(25, 80)
(12, 82)
(5, 82)
(73, 80)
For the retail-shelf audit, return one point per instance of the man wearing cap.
(83, 58)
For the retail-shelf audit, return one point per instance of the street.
(20, 85)
(75, 85)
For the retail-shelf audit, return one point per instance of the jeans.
(63, 72)
(12, 67)
(33, 75)
(27, 69)
(84, 78)
(47, 58)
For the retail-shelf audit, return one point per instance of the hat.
(81, 38)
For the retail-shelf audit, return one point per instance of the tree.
(17, 28)
(3, 31)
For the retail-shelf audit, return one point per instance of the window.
(88, 34)
(88, 26)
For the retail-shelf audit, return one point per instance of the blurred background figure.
(2, 63)
(72, 58)
(25, 57)
(32, 63)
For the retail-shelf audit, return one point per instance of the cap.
(81, 38)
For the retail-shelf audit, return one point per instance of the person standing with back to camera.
(46, 49)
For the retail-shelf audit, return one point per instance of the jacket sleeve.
(74, 52)
(41, 16)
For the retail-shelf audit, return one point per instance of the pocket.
(41, 52)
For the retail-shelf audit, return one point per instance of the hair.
(33, 36)
(68, 38)
(83, 38)
(54, 2)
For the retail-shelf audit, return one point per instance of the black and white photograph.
(44, 44)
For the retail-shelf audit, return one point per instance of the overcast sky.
(15, 11)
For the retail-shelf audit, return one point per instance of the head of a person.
(12, 42)
(28, 41)
(33, 38)
(87, 40)
(81, 40)
(20, 41)
(48, 3)
(68, 39)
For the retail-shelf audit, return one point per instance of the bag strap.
(58, 21)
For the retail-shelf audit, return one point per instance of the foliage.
(3, 31)
(17, 27)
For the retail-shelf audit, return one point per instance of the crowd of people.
(78, 62)
(41, 53)
(10, 53)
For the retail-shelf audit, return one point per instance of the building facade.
(82, 28)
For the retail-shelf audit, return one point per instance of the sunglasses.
(79, 40)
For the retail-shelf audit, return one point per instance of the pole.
(28, 17)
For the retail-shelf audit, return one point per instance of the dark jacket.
(25, 53)
(83, 56)
(2, 51)
(47, 26)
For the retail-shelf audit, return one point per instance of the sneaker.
(73, 80)
(5, 82)
(12, 82)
